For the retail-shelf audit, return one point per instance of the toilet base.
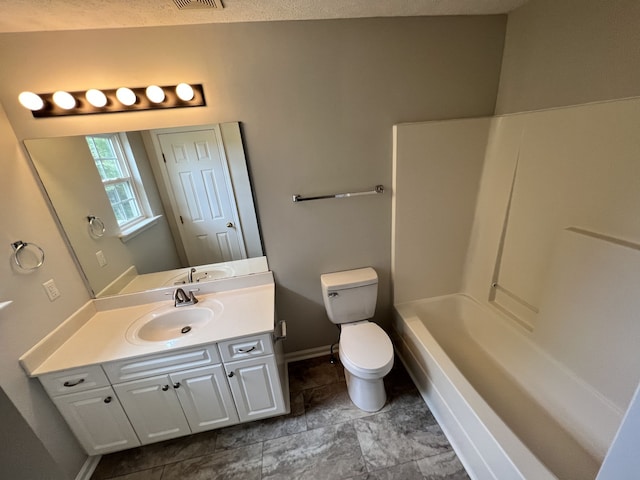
(367, 395)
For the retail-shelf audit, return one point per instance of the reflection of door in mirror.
(201, 196)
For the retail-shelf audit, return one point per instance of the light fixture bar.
(113, 105)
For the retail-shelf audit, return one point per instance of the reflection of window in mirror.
(119, 173)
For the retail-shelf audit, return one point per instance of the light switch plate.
(51, 289)
(102, 260)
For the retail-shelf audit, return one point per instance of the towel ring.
(96, 226)
(20, 248)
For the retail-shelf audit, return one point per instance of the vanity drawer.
(240, 348)
(74, 380)
(147, 366)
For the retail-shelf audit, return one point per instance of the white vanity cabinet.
(91, 408)
(147, 399)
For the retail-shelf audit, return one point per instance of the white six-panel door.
(205, 207)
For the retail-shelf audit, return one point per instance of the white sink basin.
(171, 324)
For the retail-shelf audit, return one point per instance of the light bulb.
(126, 96)
(96, 98)
(184, 92)
(64, 100)
(155, 94)
(31, 101)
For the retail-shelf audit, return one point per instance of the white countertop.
(101, 339)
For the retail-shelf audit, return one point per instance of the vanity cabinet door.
(205, 398)
(153, 408)
(98, 420)
(256, 388)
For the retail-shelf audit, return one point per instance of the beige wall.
(25, 216)
(570, 52)
(317, 101)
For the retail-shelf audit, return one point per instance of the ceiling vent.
(193, 4)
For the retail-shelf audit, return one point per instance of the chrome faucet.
(182, 299)
(190, 275)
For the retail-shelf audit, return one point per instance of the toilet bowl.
(365, 350)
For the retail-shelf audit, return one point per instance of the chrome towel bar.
(376, 189)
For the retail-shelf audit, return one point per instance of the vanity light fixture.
(184, 92)
(64, 100)
(123, 99)
(126, 96)
(155, 94)
(95, 97)
(31, 101)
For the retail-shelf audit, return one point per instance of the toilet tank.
(350, 296)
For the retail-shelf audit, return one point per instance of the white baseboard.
(88, 467)
(310, 353)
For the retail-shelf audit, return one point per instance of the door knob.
(230, 225)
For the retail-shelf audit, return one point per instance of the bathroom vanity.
(134, 375)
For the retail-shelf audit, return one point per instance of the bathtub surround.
(567, 178)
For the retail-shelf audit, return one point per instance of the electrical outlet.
(51, 289)
(102, 260)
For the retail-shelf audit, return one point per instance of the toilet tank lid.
(349, 278)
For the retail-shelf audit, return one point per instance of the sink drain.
(186, 329)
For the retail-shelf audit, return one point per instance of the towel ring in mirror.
(27, 256)
(96, 226)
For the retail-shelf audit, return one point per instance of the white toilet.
(365, 349)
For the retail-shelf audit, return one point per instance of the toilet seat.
(365, 350)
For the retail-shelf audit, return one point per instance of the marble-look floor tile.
(267, 429)
(444, 466)
(149, 456)
(404, 471)
(399, 436)
(312, 373)
(152, 474)
(322, 454)
(330, 404)
(242, 463)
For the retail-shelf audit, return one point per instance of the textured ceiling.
(45, 15)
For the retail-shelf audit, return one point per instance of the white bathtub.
(509, 410)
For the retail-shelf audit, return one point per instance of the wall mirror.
(151, 209)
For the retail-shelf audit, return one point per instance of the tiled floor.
(324, 437)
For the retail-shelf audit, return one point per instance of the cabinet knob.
(176, 385)
(165, 388)
(107, 400)
(230, 374)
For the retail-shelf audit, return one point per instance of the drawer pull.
(73, 384)
(108, 400)
(246, 350)
(165, 388)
